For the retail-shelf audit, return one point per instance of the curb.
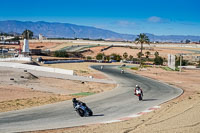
(132, 116)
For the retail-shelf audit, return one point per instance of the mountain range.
(66, 30)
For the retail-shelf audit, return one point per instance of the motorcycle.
(139, 94)
(101, 67)
(122, 71)
(83, 110)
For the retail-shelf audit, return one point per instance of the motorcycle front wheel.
(80, 112)
(140, 97)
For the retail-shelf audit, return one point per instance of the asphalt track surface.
(111, 105)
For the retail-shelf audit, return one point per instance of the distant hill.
(66, 30)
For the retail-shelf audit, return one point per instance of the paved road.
(114, 104)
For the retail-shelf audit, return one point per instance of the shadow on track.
(149, 99)
(97, 115)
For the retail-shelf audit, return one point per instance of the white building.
(41, 37)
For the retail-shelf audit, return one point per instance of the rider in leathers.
(137, 88)
(77, 102)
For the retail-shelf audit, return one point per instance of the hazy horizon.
(172, 17)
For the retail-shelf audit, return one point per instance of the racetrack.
(111, 105)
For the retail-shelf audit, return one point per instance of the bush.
(60, 54)
(134, 68)
(116, 57)
(145, 66)
(158, 60)
(100, 56)
(184, 62)
(89, 57)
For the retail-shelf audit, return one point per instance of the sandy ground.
(82, 69)
(26, 90)
(180, 115)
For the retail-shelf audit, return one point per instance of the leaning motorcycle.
(139, 94)
(83, 110)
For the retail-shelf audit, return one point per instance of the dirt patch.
(19, 89)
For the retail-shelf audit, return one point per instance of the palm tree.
(142, 38)
(27, 34)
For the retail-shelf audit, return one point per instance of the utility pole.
(180, 63)
(180, 69)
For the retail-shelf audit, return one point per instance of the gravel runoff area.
(178, 115)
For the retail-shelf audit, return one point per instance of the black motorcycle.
(83, 110)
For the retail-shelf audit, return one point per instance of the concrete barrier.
(36, 68)
(16, 59)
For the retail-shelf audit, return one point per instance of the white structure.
(20, 58)
(41, 37)
(26, 46)
(171, 61)
(3, 38)
(36, 68)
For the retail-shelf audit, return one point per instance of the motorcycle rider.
(77, 102)
(122, 70)
(102, 67)
(138, 90)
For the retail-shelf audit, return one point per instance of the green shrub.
(60, 54)
(158, 60)
(145, 66)
(100, 56)
(134, 68)
(89, 57)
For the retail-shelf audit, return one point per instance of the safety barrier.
(16, 59)
(63, 61)
(36, 68)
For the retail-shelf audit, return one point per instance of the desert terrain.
(178, 115)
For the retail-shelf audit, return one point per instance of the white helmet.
(137, 86)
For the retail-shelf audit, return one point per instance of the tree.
(125, 55)
(183, 62)
(108, 58)
(187, 41)
(142, 38)
(119, 57)
(89, 57)
(147, 54)
(116, 57)
(139, 54)
(27, 34)
(156, 54)
(130, 57)
(100, 56)
(158, 60)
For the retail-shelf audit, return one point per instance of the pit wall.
(36, 68)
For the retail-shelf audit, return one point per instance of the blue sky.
(160, 17)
